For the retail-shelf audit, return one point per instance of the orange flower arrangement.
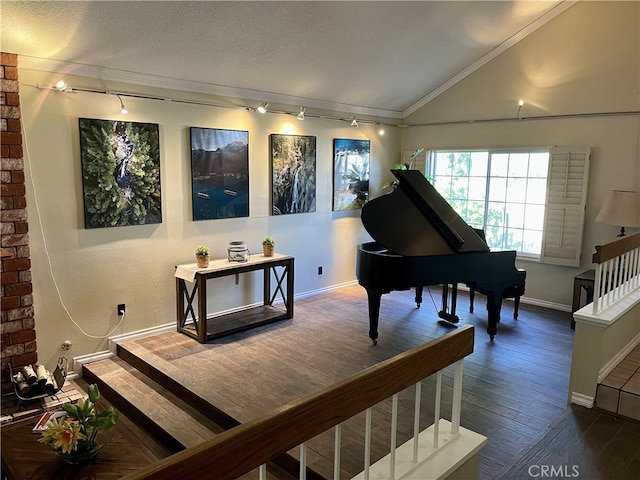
(76, 432)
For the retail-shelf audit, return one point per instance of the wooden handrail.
(251, 444)
(616, 248)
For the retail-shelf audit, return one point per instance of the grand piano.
(420, 240)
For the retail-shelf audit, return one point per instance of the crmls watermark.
(554, 471)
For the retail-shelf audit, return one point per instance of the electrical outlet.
(319, 270)
(121, 309)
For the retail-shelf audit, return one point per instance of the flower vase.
(81, 456)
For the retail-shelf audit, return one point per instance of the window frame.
(565, 199)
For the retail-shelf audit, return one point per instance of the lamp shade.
(621, 208)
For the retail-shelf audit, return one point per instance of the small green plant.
(201, 250)
(268, 241)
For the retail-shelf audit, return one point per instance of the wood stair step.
(175, 422)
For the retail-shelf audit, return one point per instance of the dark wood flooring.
(515, 388)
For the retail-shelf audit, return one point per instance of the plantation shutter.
(565, 208)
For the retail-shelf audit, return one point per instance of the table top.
(24, 458)
(589, 275)
(188, 271)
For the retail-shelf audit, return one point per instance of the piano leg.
(374, 314)
(493, 310)
(418, 296)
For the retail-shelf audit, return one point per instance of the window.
(513, 196)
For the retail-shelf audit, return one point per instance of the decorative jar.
(238, 252)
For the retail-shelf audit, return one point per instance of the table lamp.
(621, 208)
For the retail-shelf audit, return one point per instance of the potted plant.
(74, 435)
(268, 246)
(202, 256)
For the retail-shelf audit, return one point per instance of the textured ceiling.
(384, 57)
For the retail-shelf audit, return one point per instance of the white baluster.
(367, 443)
(596, 289)
(262, 471)
(336, 451)
(457, 397)
(303, 461)
(436, 414)
(416, 421)
(394, 428)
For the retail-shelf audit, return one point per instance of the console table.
(203, 329)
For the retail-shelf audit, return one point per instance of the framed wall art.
(219, 173)
(293, 173)
(350, 173)
(120, 173)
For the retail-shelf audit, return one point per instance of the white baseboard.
(77, 362)
(582, 400)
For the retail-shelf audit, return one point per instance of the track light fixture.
(123, 109)
(262, 108)
(300, 115)
(62, 86)
(520, 105)
(354, 122)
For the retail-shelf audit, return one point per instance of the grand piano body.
(420, 240)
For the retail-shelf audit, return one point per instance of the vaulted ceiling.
(384, 58)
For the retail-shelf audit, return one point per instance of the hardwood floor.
(515, 388)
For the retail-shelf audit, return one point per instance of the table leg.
(201, 285)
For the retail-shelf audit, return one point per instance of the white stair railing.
(617, 271)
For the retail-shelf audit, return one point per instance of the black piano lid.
(415, 220)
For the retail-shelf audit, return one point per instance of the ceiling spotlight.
(300, 115)
(62, 86)
(354, 122)
(520, 104)
(262, 108)
(123, 109)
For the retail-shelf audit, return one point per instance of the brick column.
(18, 325)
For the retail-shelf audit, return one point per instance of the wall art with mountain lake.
(219, 173)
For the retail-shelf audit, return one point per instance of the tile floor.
(619, 392)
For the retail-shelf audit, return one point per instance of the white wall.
(586, 60)
(96, 269)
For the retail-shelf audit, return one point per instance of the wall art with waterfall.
(293, 173)
(350, 173)
(219, 173)
(120, 173)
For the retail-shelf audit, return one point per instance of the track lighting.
(354, 122)
(62, 86)
(123, 109)
(520, 105)
(262, 108)
(300, 115)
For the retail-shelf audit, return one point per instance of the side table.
(585, 280)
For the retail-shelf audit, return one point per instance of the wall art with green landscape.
(120, 173)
